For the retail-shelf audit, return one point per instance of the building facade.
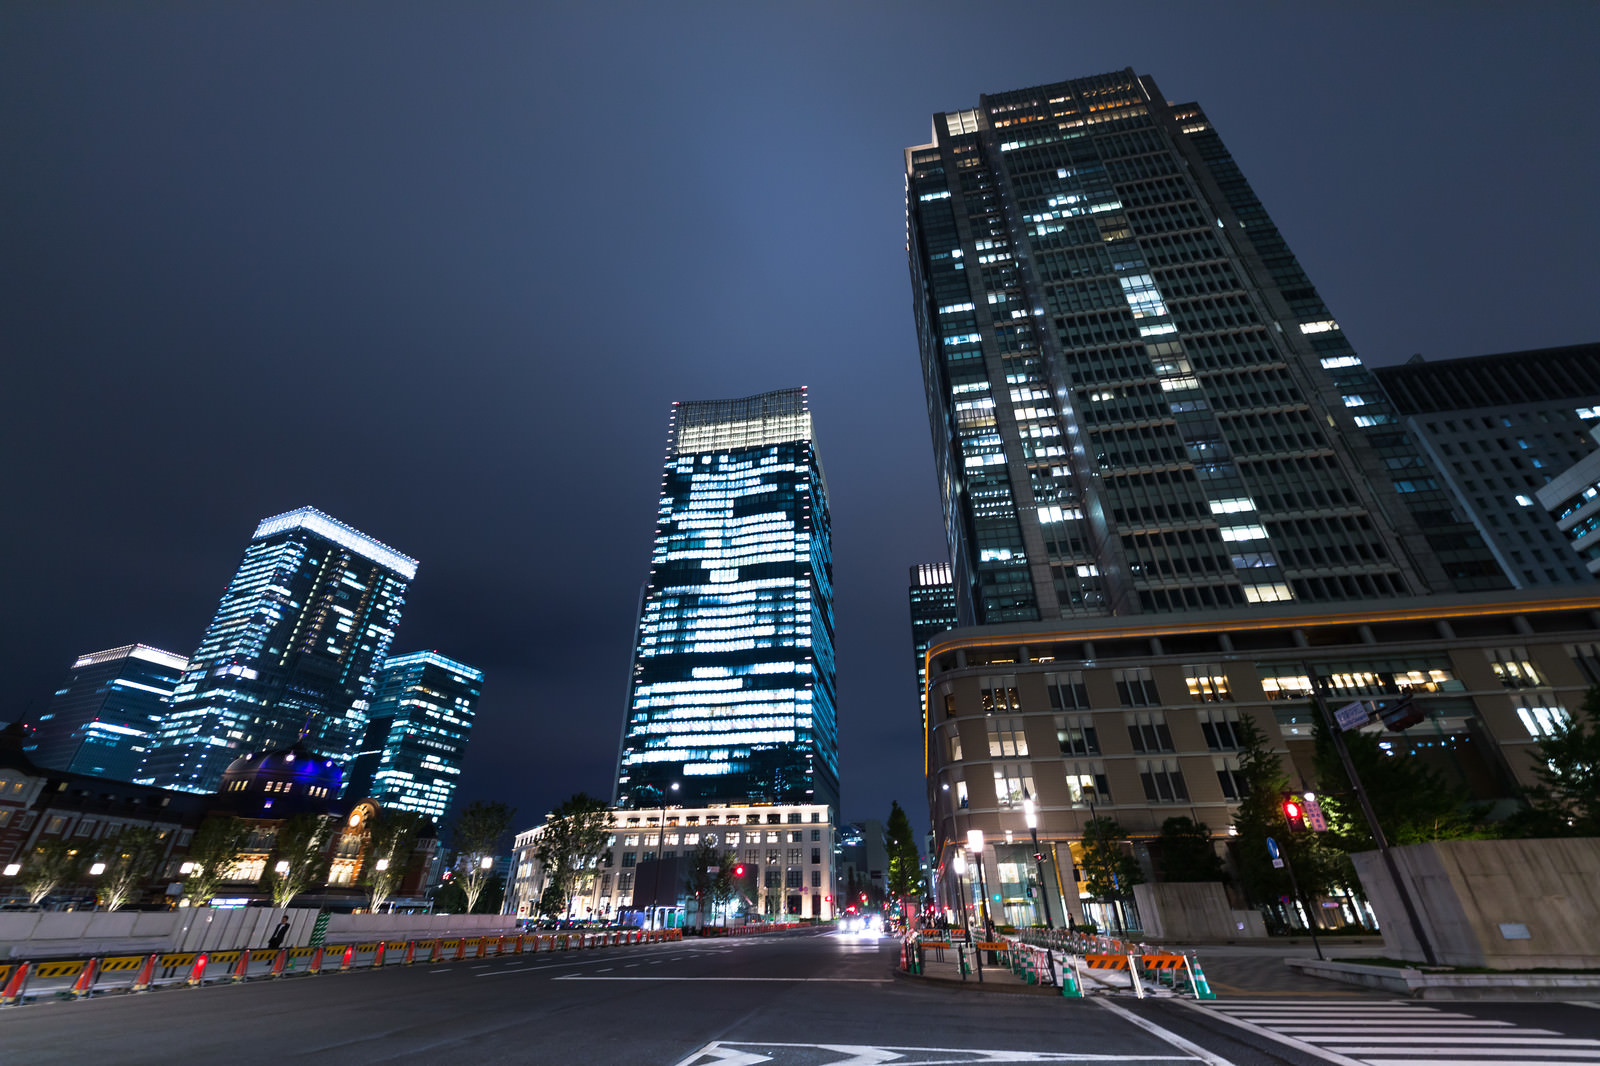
(932, 594)
(102, 720)
(732, 695)
(1497, 429)
(1138, 401)
(1136, 719)
(417, 733)
(787, 849)
(294, 648)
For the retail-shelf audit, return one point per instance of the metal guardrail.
(94, 975)
(1057, 959)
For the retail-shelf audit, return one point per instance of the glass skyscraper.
(102, 720)
(933, 610)
(417, 734)
(1139, 402)
(732, 695)
(294, 647)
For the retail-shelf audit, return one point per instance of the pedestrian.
(279, 933)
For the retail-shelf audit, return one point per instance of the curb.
(976, 986)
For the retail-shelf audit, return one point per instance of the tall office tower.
(101, 722)
(295, 647)
(1138, 400)
(417, 734)
(732, 696)
(933, 610)
(1497, 429)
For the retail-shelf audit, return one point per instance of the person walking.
(279, 933)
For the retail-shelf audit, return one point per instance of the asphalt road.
(793, 1000)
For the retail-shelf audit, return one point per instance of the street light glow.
(13, 869)
(960, 864)
(282, 867)
(97, 869)
(186, 868)
(485, 862)
(381, 865)
(975, 840)
(1030, 812)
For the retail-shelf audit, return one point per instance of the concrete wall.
(1193, 911)
(1505, 904)
(45, 934)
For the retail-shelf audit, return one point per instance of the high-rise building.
(1497, 429)
(1139, 402)
(732, 696)
(417, 734)
(102, 720)
(294, 648)
(933, 610)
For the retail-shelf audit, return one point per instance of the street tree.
(905, 864)
(1188, 852)
(299, 857)
(1567, 763)
(391, 842)
(575, 834)
(213, 853)
(51, 863)
(710, 878)
(130, 859)
(475, 835)
(1110, 870)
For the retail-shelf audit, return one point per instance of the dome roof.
(274, 784)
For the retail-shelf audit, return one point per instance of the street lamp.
(486, 862)
(975, 845)
(661, 847)
(97, 869)
(13, 869)
(1030, 814)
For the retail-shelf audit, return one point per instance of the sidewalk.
(939, 965)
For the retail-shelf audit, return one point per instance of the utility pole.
(1337, 736)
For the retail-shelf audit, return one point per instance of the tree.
(574, 836)
(905, 863)
(1414, 802)
(1567, 762)
(1188, 853)
(391, 840)
(475, 835)
(299, 857)
(1109, 871)
(130, 858)
(710, 889)
(51, 863)
(212, 855)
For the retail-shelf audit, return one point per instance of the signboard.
(1273, 853)
(1314, 816)
(1352, 716)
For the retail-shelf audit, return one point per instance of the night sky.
(440, 270)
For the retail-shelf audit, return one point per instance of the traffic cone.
(411, 952)
(1071, 987)
(378, 953)
(16, 986)
(146, 975)
(241, 969)
(1197, 977)
(279, 960)
(84, 985)
(314, 967)
(349, 957)
(197, 973)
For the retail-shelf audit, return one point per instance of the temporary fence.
(1058, 960)
(85, 977)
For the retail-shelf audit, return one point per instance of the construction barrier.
(15, 986)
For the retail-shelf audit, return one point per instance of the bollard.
(519, 943)
(197, 973)
(483, 947)
(17, 986)
(461, 949)
(146, 976)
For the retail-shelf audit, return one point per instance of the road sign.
(1314, 816)
(1352, 715)
(1272, 851)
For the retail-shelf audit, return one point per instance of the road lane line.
(1165, 1035)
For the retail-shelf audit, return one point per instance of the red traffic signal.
(738, 871)
(1294, 811)
(863, 897)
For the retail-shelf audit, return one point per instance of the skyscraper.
(295, 646)
(1497, 429)
(732, 694)
(1138, 401)
(417, 734)
(933, 610)
(102, 720)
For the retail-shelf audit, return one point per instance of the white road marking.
(1194, 1050)
(1259, 1030)
(791, 980)
(747, 1052)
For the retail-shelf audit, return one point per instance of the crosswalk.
(1396, 1033)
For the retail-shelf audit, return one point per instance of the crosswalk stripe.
(1467, 1062)
(1584, 1054)
(1312, 1032)
(1574, 1041)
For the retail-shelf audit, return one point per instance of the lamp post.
(959, 864)
(661, 847)
(1030, 814)
(975, 845)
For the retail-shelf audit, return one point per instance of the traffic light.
(1294, 811)
(738, 871)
